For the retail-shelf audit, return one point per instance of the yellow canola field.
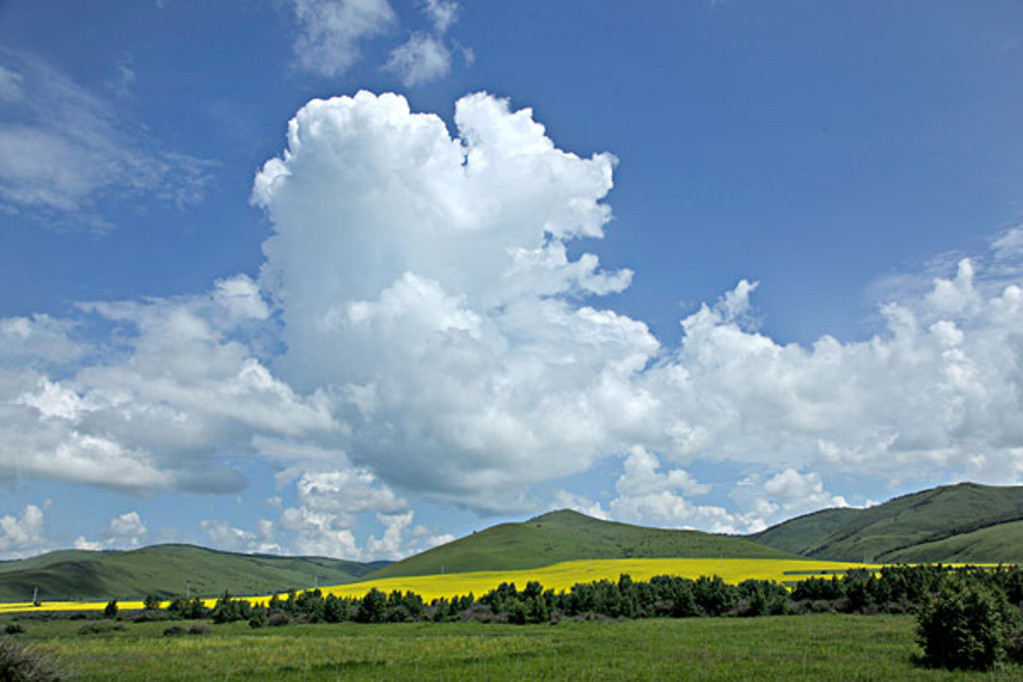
(557, 576)
(17, 607)
(562, 576)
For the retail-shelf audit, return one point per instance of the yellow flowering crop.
(562, 576)
(557, 576)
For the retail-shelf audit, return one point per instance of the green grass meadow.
(817, 647)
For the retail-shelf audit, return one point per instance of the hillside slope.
(166, 570)
(886, 532)
(803, 533)
(1002, 543)
(567, 535)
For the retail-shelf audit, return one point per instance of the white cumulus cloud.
(124, 531)
(784, 495)
(35, 340)
(933, 394)
(329, 505)
(22, 536)
(424, 58)
(476, 361)
(439, 265)
(223, 536)
(649, 496)
(161, 409)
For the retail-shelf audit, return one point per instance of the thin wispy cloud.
(330, 32)
(64, 150)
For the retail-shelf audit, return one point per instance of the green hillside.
(886, 532)
(802, 533)
(1001, 543)
(166, 570)
(565, 536)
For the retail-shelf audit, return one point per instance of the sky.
(356, 277)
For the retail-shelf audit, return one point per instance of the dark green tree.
(966, 625)
(372, 607)
(335, 610)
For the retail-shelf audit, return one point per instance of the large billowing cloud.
(426, 279)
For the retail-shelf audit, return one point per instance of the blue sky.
(690, 264)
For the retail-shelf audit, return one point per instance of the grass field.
(818, 647)
(558, 577)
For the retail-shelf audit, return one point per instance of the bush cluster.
(20, 663)
(969, 625)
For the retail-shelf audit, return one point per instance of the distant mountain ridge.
(168, 571)
(967, 522)
(567, 535)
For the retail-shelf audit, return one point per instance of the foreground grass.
(818, 647)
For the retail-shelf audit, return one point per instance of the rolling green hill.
(1000, 543)
(800, 534)
(961, 523)
(166, 570)
(567, 535)
(941, 524)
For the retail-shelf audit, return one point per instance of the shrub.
(151, 602)
(517, 613)
(198, 629)
(189, 609)
(1014, 646)
(277, 619)
(229, 609)
(14, 629)
(966, 625)
(24, 664)
(150, 616)
(110, 610)
(259, 618)
(99, 628)
(173, 631)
